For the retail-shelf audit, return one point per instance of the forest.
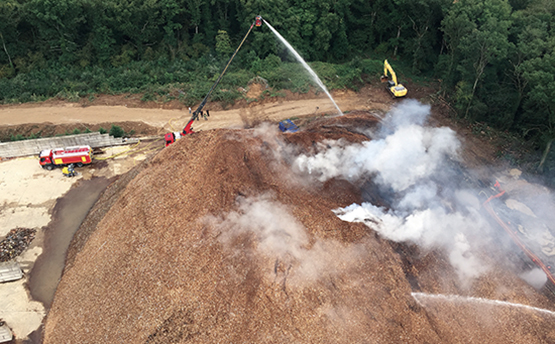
(494, 59)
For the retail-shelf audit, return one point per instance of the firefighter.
(69, 171)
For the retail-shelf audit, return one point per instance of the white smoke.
(277, 232)
(266, 131)
(410, 154)
(535, 277)
(411, 161)
(278, 152)
(279, 236)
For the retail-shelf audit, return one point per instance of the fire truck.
(78, 155)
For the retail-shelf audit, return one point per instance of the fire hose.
(130, 149)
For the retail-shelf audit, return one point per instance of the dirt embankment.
(7, 132)
(170, 261)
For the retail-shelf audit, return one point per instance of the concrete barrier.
(33, 147)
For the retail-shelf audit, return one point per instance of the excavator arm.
(386, 68)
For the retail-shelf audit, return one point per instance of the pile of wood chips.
(156, 270)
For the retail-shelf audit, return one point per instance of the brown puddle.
(70, 210)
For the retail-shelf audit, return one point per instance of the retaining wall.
(33, 147)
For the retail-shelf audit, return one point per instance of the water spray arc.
(457, 298)
(305, 65)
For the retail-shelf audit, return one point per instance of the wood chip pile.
(158, 267)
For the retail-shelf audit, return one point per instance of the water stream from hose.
(305, 65)
(456, 298)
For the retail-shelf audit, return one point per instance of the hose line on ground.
(130, 149)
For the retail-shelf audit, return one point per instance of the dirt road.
(174, 119)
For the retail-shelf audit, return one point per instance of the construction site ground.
(32, 197)
(193, 290)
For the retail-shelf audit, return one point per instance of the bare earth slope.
(182, 257)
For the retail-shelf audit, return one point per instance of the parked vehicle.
(395, 88)
(78, 155)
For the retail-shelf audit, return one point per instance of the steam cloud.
(401, 159)
(413, 167)
(411, 162)
(278, 235)
(535, 277)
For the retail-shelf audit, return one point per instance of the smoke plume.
(406, 157)
(535, 277)
(277, 232)
(416, 168)
(279, 237)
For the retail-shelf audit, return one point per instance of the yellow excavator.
(396, 89)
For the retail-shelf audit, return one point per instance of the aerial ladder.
(396, 89)
(188, 129)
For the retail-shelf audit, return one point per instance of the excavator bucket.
(384, 78)
(258, 21)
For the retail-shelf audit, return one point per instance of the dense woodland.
(495, 59)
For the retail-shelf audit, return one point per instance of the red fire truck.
(78, 155)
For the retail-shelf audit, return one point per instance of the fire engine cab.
(172, 137)
(78, 155)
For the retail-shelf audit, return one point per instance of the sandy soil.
(28, 194)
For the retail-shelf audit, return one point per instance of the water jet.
(305, 65)
(466, 299)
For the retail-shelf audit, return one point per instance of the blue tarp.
(288, 126)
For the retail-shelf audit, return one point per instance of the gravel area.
(15, 243)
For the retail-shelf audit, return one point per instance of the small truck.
(78, 155)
